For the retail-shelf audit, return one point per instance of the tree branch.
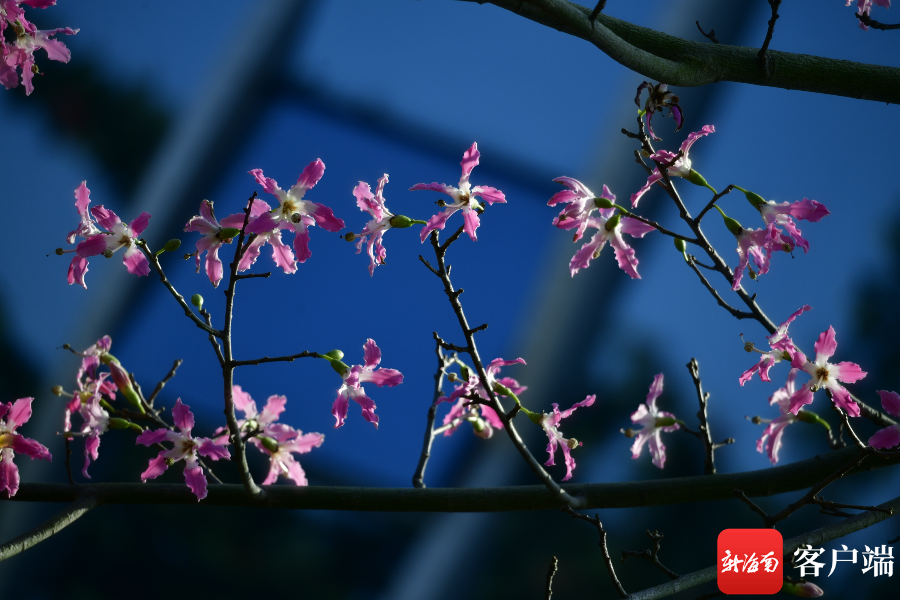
(82, 503)
(765, 482)
(689, 64)
(418, 479)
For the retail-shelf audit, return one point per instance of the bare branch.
(418, 479)
(551, 571)
(595, 521)
(163, 382)
(711, 36)
(651, 555)
(763, 54)
(84, 502)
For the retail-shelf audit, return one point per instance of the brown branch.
(763, 51)
(162, 383)
(651, 555)
(870, 22)
(266, 359)
(738, 314)
(711, 36)
(551, 571)
(418, 479)
(595, 521)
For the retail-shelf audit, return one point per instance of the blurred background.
(159, 109)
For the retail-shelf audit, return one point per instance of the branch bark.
(680, 62)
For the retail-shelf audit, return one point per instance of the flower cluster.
(104, 233)
(610, 225)
(483, 424)
(679, 165)
(276, 440)
(19, 55)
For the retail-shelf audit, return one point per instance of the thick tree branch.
(765, 482)
(689, 64)
(81, 504)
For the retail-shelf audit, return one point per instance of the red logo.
(749, 561)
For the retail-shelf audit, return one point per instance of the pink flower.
(580, 204)
(780, 214)
(85, 229)
(265, 421)
(758, 243)
(281, 447)
(352, 389)
(380, 223)
(889, 436)
(16, 414)
(658, 98)
(463, 197)
(680, 168)
(212, 240)
(293, 212)
(864, 6)
(550, 424)
(483, 424)
(654, 422)
(782, 349)
(610, 227)
(770, 442)
(281, 254)
(20, 54)
(185, 447)
(827, 375)
(95, 419)
(117, 235)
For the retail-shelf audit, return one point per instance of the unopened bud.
(172, 245)
(482, 429)
(603, 203)
(227, 233)
(755, 199)
(808, 416)
(400, 221)
(197, 300)
(464, 371)
(57, 390)
(697, 179)
(340, 367)
(268, 443)
(350, 236)
(334, 354)
(123, 383)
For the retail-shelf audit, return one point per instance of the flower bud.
(172, 245)
(482, 429)
(197, 300)
(681, 246)
(57, 390)
(808, 416)
(227, 233)
(268, 443)
(334, 354)
(603, 203)
(400, 221)
(804, 589)
(117, 423)
(464, 372)
(123, 382)
(755, 199)
(697, 179)
(340, 367)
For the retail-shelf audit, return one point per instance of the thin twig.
(709, 463)
(267, 359)
(240, 456)
(712, 203)
(595, 521)
(212, 340)
(753, 506)
(253, 275)
(448, 345)
(763, 51)
(551, 571)
(440, 251)
(594, 14)
(657, 226)
(83, 503)
(831, 504)
(418, 479)
(652, 555)
(711, 36)
(163, 382)
(738, 314)
(69, 459)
